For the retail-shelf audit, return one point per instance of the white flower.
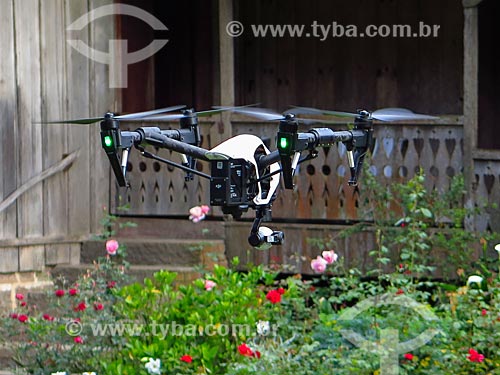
(263, 327)
(474, 279)
(59, 373)
(153, 366)
(497, 248)
(89, 373)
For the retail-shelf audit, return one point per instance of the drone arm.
(357, 142)
(163, 141)
(322, 137)
(169, 139)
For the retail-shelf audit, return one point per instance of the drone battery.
(228, 182)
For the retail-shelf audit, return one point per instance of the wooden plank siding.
(30, 162)
(346, 73)
(54, 145)
(78, 137)
(42, 78)
(8, 137)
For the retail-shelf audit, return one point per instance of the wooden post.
(470, 93)
(102, 99)
(226, 66)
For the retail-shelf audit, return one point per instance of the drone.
(245, 174)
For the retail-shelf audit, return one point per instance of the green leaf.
(426, 212)
(405, 256)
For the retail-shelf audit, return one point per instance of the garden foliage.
(255, 322)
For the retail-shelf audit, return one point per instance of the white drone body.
(246, 146)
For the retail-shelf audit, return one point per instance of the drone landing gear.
(263, 238)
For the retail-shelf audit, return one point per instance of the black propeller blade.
(190, 113)
(127, 117)
(269, 115)
(385, 114)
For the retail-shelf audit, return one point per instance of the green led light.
(108, 141)
(283, 142)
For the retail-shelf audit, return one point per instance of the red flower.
(408, 356)
(111, 284)
(22, 318)
(78, 340)
(187, 358)
(400, 291)
(23, 304)
(484, 312)
(48, 317)
(245, 350)
(59, 292)
(19, 296)
(13, 316)
(81, 307)
(474, 356)
(273, 296)
(73, 292)
(98, 306)
(280, 291)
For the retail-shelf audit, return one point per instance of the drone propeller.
(385, 114)
(269, 115)
(127, 117)
(192, 113)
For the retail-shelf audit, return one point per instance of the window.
(182, 72)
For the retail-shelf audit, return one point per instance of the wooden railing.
(321, 190)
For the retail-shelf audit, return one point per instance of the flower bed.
(256, 322)
(251, 323)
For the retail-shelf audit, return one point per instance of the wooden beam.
(226, 65)
(470, 95)
(45, 240)
(56, 168)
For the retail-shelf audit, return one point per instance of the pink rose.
(112, 247)
(319, 264)
(209, 285)
(330, 256)
(19, 296)
(198, 213)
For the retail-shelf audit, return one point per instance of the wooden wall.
(346, 73)
(42, 78)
